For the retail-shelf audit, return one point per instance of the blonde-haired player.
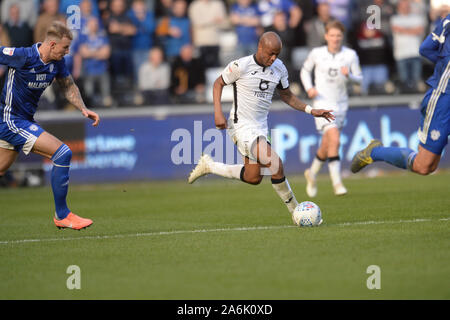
(334, 65)
(30, 71)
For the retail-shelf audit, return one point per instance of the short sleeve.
(13, 57)
(284, 80)
(232, 72)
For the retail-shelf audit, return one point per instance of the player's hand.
(312, 93)
(91, 115)
(345, 71)
(220, 121)
(323, 113)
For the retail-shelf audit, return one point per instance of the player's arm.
(354, 73)
(229, 75)
(219, 118)
(430, 46)
(72, 94)
(12, 57)
(306, 76)
(290, 99)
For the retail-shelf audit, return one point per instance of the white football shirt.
(253, 88)
(330, 83)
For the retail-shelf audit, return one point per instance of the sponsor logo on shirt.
(8, 51)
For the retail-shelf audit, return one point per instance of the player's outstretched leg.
(402, 158)
(60, 186)
(207, 165)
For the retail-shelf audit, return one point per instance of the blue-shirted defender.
(434, 127)
(30, 71)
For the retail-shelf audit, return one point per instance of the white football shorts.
(323, 124)
(245, 135)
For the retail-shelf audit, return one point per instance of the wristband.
(308, 109)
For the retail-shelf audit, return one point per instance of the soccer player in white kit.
(254, 79)
(334, 65)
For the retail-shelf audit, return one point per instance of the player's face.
(334, 38)
(60, 48)
(268, 54)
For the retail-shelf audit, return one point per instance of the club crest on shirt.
(434, 135)
(8, 51)
(33, 127)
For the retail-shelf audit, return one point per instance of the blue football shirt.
(27, 78)
(436, 47)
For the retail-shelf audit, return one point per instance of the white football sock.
(334, 167)
(284, 191)
(231, 171)
(316, 165)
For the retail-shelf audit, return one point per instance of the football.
(307, 214)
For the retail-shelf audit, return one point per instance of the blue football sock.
(60, 179)
(400, 157)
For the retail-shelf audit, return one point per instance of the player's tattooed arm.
(73, 95)
(289, 98)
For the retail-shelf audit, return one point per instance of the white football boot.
(203, 168)
(339, 189)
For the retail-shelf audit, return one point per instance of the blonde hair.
(58, 30)
(335, 24)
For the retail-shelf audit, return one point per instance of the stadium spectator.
(188, 77)
(408, 31)
(49, 14)
(65, 4)
(163, 8)
(154, 78)
(144, 21)
(373, 50)
(178, 31)
(73, 58)
(29, 10)
(95, 52)
(246, 18)
(287, 36)
(386, 11)
(341, 10)
(315, 28)
(268, 8)
(120, 30)
(207, 18)
(19, 32)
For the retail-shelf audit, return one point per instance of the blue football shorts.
(435, 122)
(19, 134)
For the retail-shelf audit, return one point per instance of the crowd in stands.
(153, 52)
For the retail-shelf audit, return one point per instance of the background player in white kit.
(334, 65)
(254, 79)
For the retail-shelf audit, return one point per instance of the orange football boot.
(72, 221)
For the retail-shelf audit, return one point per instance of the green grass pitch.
(220, 239)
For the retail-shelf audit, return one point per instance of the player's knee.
(254, 180)
(62, 156)
(424, 169)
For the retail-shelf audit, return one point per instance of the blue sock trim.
(410, 161)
